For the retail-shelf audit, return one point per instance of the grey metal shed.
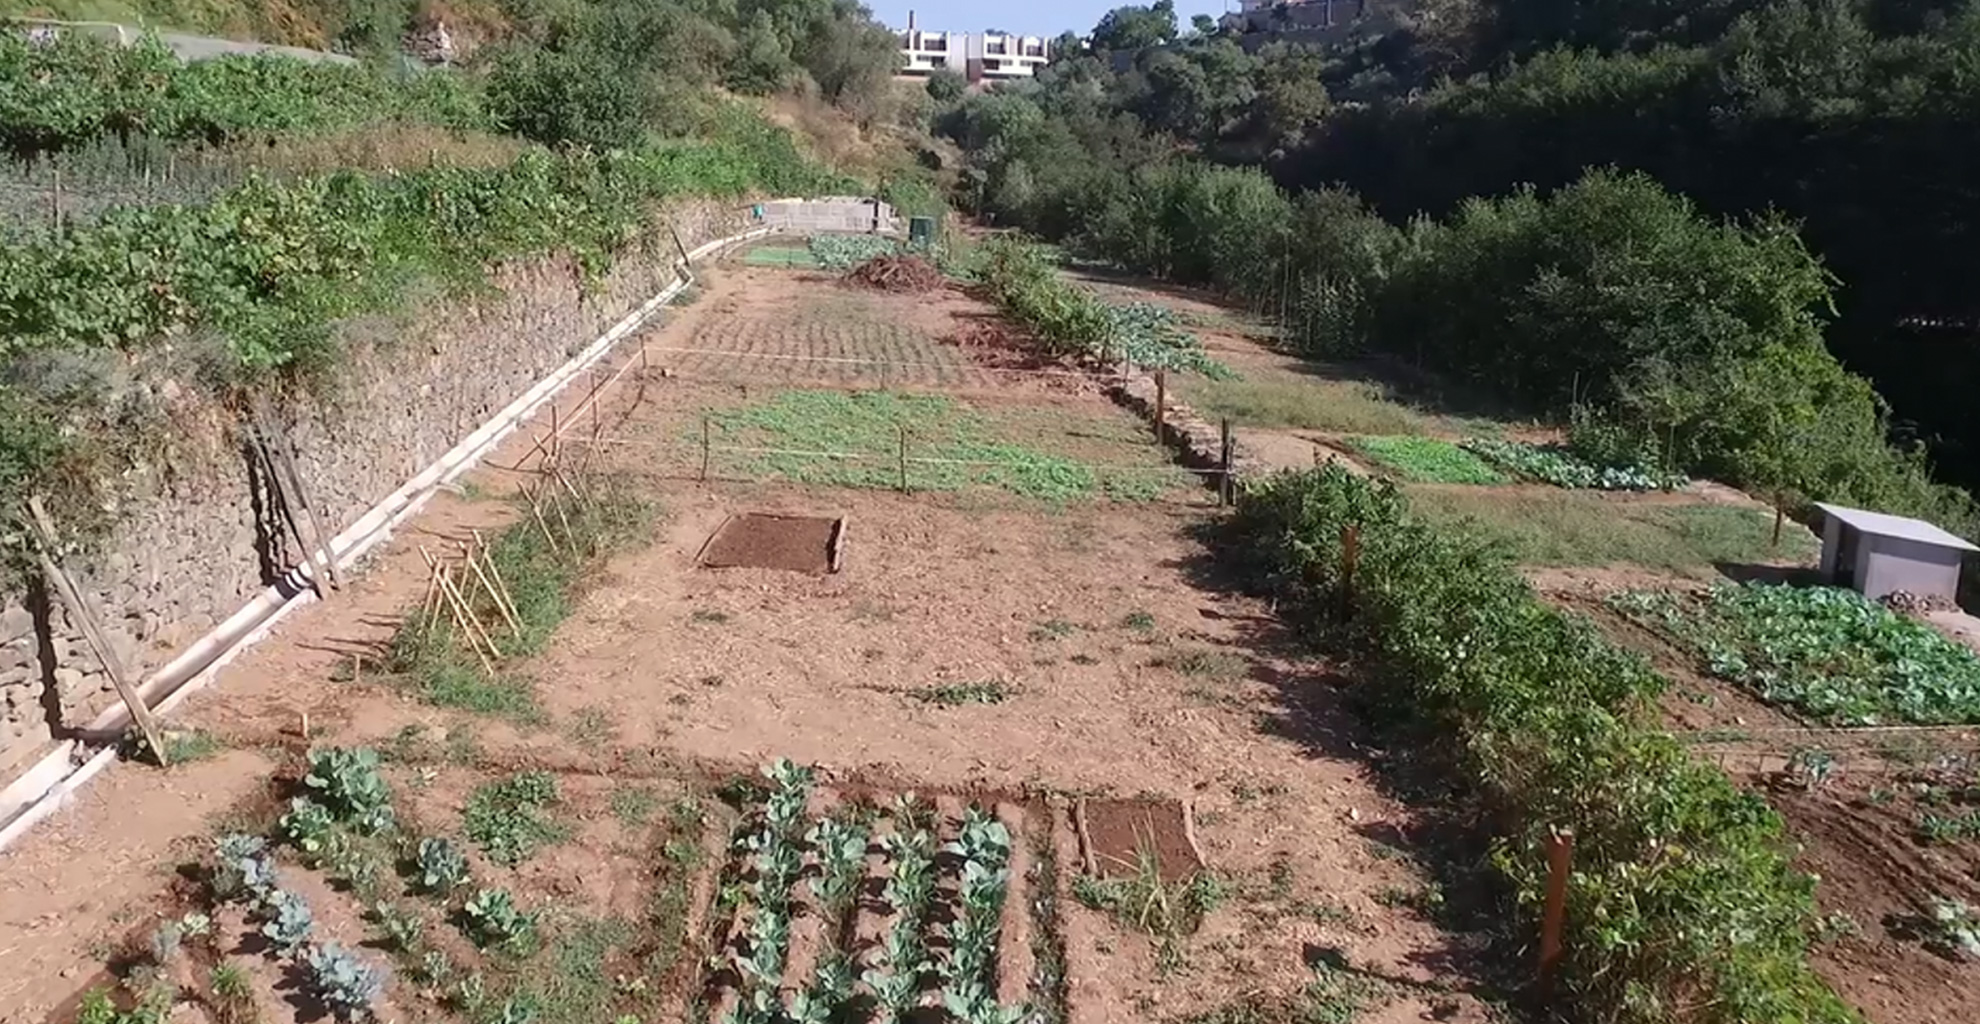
(1875, 554)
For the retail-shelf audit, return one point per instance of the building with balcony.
(978, 56)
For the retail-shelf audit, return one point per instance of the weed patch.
(1554, 527)
(1199, 663)
(507, 818)
(989, 691)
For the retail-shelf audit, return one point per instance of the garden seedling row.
(842, 909)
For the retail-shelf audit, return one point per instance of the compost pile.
(897, 273)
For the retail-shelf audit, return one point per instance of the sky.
(1021, 17)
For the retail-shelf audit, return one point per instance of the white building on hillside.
(978, 56)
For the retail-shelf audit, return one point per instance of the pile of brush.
(897, 273)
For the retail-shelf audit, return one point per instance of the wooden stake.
(1161, 406)
(903, 459)
(1224, 491)
(1085, 838)
(536, 512)
(494, 595)
(55, 203)
(295, 501)
(463, 617)
(44, 528)
(1350, 555)
(495, 573)
(554, 503)
(1779, 514)
(1560, 859)
(1189, 833)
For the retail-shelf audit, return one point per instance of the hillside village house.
(978, 56)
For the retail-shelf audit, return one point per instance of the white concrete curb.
(49, 784)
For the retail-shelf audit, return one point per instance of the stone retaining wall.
(196, 542)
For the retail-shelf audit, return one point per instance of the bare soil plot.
(754, 540)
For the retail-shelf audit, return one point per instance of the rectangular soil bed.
(758, 540)
(1119, 833)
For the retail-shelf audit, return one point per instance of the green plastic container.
(921, 230)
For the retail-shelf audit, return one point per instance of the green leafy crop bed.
(1553, 465)
(1427, 460)
(1827, 653)
(870, 425)
(1024, 280)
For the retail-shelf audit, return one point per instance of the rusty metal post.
(1560, 859)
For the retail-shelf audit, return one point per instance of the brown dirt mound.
(897, 274)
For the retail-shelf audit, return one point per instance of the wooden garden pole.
(536, 512)
(1224, 457)
(495, 573)
(464, 617)
(903, 460)
(474, 566)
(1779, 515)
(44, 529)
(1161, 406)
(1560, 858)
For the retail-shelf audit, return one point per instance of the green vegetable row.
(1684, 903)
(1829, 653)
(1070, 320)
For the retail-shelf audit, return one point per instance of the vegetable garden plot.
(837, 909)
(1827, 653)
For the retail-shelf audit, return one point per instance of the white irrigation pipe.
(49, 784)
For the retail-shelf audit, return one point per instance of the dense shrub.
(78, 87)
(1683, 903)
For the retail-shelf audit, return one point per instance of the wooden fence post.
(44, 529)
(1779, 515)
(1560, 859)
(1224, 490)
(903, 460)
(1161, 406)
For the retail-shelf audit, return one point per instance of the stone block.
(15, 623)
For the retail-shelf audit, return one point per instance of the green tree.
(1136, 28)
(945, 86)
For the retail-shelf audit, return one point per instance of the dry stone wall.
(195, 543)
